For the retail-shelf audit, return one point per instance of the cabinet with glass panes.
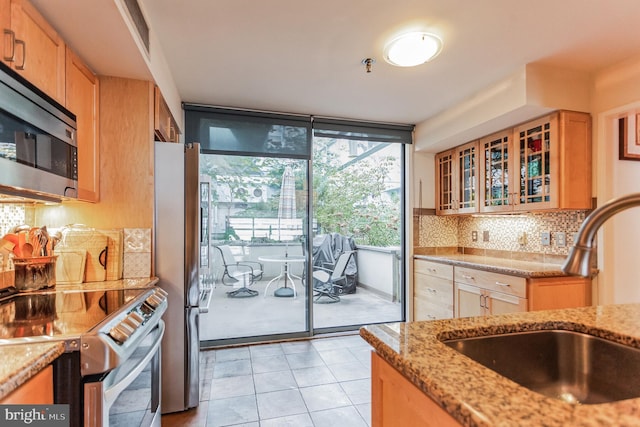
(553, 162)
(496, 170)
(457, 179)
(538, 165)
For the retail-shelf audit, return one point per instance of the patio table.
(284, 262)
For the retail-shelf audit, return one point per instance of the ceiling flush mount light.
(411, 49)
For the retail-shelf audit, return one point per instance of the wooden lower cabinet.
(36, 391)
(433, 291)
(482, 293)
(395, 401)
(476, 301)
(558, 292)
(443, 291)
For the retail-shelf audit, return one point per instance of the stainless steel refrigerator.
(177, 244)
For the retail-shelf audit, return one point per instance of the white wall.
(615, 92)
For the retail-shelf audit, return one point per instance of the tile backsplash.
(12, 215)
(515, 233)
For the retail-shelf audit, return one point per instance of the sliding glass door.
(357, 207)
(305, 224)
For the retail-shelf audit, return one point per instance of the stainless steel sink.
(570, 366)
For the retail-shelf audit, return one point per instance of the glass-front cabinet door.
(467, 178)
(496, 190)
(457, 180)
(536, 150)
(444, 183)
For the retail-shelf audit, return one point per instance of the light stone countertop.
(20, 362)
(477, 396)
(108, 285)
(513, 267)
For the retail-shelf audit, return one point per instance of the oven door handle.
(112, 393)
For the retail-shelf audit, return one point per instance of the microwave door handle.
(112, 393)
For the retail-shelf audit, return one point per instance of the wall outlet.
(561, 239)
(545, 238)
(474, 236)
(522, 239)
(485, 236)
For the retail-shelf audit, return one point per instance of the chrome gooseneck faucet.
(578, 263)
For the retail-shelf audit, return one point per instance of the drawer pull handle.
(24, 54)
(468, 277)
(503, 284)
(433, 270)
(12, 43)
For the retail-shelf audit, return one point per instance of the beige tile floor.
(310, 383)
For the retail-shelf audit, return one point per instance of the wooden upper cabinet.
(457, 180)
(467, 177)
(539, 165)
(165, 126)
(553, 159)
(497, 173)
(33, 48)
(445, 192)
(82, 92)
(5, 25)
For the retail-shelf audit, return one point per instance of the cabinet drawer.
(427, 309)
(433, 298)
(493, 281)
(436, 269)
(436, 286)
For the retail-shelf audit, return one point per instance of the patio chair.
(328, 283)
(246, 271)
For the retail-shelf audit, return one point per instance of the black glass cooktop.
(59, 315)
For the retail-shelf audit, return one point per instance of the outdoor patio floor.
(268, 315)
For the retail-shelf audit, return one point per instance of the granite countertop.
(513, 267)
(20, 362)
(109, 285)
(477, 396)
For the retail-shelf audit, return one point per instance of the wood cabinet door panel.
(5, 25)
(82, 99)
(559, 292)
(395, 401)
(468, 301)
(499, 303)
(38, 390)
(41, 59)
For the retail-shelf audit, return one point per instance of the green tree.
(354, 200)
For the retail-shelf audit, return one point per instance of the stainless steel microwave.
(38, 149)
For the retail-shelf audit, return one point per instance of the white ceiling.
(299, 56)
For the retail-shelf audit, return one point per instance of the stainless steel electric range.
(110, 371)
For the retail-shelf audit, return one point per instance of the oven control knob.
(119, 333)
(135, 316)
(132, 321)
(153, 301)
